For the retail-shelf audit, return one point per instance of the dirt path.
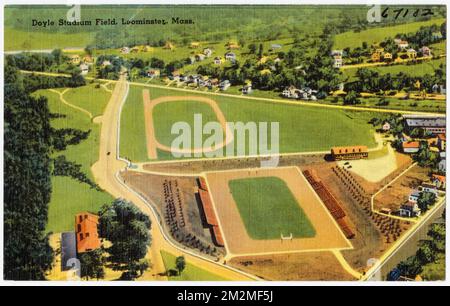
(150, 129)
(106, 171)
(61, 97)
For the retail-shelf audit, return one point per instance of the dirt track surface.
(105, 170)
(328, 235)
(153, 143)
(311, 266)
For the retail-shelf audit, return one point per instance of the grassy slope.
(268, 209)
(301, 128)
(89, 98)
(413, 70)
(21, 40)
(69, 196)
(190, 273)
(375, 35)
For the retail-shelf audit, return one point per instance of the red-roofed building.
(411, 146)
(350, 152)
(86, 232)
(439, 181)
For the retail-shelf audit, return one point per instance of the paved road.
(105, 171)
(406, 245)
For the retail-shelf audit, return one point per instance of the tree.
(27, 181)
(180, 263)
(252, 48)
(128, 230)
(443, 30)
(92, 264)
(351, 98)
(57, 56)
(260, 50)
(426, 199)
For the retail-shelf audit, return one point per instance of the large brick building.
(350, 152)
(432, 124)
(86, 232)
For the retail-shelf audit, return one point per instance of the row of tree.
(372, 81)
(430, 251)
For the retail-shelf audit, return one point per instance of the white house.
(84, 68)
(218, 60)
(410, 209)
(275, 46)
(124, 50)
(386, 127)
(207, 52)
(427, 187)
(230, 56)
(337, 61)
(414, 196)
(247, 89)
(106, 63)
(200, 57)
(224, 85)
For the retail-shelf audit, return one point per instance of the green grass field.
(376, 35)
(190, 273)
(23, 40)
(88, 97)
(69, 196)
(165, 115)
(301, 128)
(268, 208)
(419, 70)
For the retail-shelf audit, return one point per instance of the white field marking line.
(168, 239)
(299, 103)
(372, 199)
(205, 173)
(64, 101)
(153, 209)
(399, 243)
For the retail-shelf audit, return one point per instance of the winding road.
(106, 173)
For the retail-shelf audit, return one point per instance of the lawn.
(89, 97)
(375, 35)
(301, 128)
(415, 70)
(190, 273)
(69, 196)
(269, 209)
